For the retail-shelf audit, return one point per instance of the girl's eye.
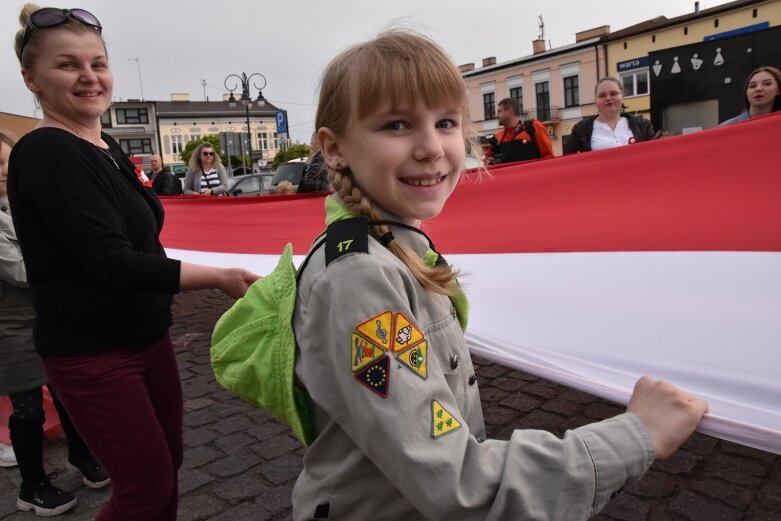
(396, 125)
(446, 123)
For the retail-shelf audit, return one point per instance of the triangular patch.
(376, 377)
(363, 352)
(415, 358)
(405, 334)
(442, 422)
(378, 329)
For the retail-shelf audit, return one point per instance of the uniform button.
(480, 439)
(472, 379)
(454, 361)
(453, 312)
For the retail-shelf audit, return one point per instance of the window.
(132, 116)
(571, 91)
(105, 119)
(489, 105)
(136, 146)
(274, 141)
(625, 45)
(635, 83)
(177, 144)
(263, 140)
(685, 31)
(542, 94)
(716, 22)
(754, 13)
(195, 137)
(653, 38)
(517, 93)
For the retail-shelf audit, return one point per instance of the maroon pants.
(127, 405)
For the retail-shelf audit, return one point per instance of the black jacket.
(580, 140)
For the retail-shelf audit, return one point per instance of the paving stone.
(266, 430)
(282, 469)
(626, 508)
(231, 465)
(244, 512)
(769, 498)
(245, 487)
(199, 456)
(601, 410)
(200, 507)
(654, 485)
(740, 471)
(541, 420)
(197, 404)
(493, 371)
(520, 402)
(680, 462)
(562, 406)
(276, 446)
(734, 449)
(491, 394)
(498, 415)
(199, 418)
(199, 436)
(192, 479)
(738, 497)
(506, 384)
(693, 507)
(700, 444)
(236, 442)
(542, 389)
(278, 499)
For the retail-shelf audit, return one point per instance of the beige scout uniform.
(400, 429)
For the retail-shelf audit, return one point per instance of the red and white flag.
(660, 258)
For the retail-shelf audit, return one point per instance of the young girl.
(393, 395)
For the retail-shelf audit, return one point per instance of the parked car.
(290, 171)
(253, 184)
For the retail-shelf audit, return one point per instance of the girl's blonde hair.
(31, 50)
(403, 68)
(195, 160)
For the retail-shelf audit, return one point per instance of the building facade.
(144, 128)
(554, 86)
(629, 50)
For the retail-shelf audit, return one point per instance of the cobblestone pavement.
(240, 464)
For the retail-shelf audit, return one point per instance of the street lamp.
(245, 98)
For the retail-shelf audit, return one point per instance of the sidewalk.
(240, 465)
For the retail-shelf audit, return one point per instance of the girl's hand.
(669, 414)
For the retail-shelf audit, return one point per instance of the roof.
(661, 22)
(203, 108)
(531, 58)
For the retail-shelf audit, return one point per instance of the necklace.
(106, 151)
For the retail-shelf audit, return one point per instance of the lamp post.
(245, 98)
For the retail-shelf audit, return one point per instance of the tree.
(293, 151)
(190, 147)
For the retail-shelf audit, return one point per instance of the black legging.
(26, 427)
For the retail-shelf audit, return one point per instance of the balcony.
(543, 114)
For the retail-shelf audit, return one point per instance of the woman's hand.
(206, 191)
(231, 281)
(237, 281)
(669, 414)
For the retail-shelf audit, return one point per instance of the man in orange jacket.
(519, 140)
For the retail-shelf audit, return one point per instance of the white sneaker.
(7, 456)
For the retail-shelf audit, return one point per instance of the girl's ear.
(331, 148)
(29, 81)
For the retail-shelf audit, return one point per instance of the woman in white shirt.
(610, 127)
(205, 175)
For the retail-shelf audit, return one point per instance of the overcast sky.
(290, 41)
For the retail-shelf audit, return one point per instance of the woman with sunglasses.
(205, 175)
(101, 283)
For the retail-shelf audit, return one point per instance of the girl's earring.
(338, 165)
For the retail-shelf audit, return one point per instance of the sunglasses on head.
(53, 16)
(207, 153)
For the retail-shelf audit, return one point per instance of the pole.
(138, 64)
(249, 140)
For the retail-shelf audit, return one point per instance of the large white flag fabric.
(659, 258)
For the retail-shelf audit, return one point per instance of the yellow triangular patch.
(415, 358)
(442, 422)
(405, 334)
(378, 329)
(363, 352)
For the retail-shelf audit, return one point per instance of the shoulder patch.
(442, 422)
(346, 236)
(376, 377)
(405, 334)
(415, 358)
(378, 329)
(363, 352)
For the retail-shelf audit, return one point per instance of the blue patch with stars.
(376, 376)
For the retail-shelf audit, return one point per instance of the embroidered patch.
(442, 422)
(405, 334)
(363, 352)
(376, 376)
(415, 358)
(378, 329)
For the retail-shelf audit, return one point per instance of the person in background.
(21, 377)
(763, 94)
(611, 127)
(163, 181)
(101, 283)
(518, 140)
(315, 176)
(381, 353)
(205, 175)
(285, 188)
